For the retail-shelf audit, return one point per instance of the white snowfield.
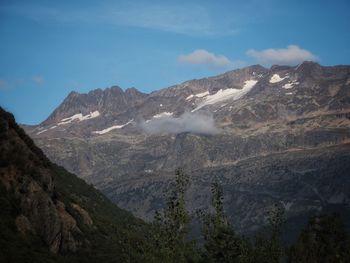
(42, 131)
(290, 84)
(163, 114)
(287, 86)
(223, 95)
(276, 78)
(112, 128)
(198, 95)
(79, 117)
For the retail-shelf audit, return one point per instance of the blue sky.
(49, 48)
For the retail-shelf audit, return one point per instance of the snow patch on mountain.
(163, 114)
(79, 117)
(223, 95)
(112, 128)
(290, 84)
(198, 95)
(42, 131)
(248, 84)
(276, 78)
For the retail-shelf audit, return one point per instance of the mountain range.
(278, 134)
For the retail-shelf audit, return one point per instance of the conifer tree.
(172, 224)
(324, 239)
(267, 246)
(221, 243)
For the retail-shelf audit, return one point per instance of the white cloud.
(291, 55)
(202, 56)
(199, 123)
(39, 80)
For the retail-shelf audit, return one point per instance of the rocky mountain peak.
(73, 94)
(310, 68)
(133, 93)
(133, 90)
(116, 90)
(109, 101)
(252, 94)
(279, 68)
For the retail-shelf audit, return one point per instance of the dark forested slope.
(50, 215)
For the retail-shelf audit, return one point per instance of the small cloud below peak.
(198, 123)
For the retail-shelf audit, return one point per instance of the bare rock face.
(68, 227)
(283, 136)
(83, 213)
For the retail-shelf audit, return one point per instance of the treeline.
(323, 239)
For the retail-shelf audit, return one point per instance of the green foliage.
(324, 239)
(267, 246)
(325, 242)
(274, 248)
(221, 243)
(171, 226)
(116, 235)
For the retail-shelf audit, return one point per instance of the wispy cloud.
(199, 123)
(188, 19)
(202, 56)
(3, 84)
(284, 56)
(39, 80)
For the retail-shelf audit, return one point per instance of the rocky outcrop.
(25, 172)
(83, 213)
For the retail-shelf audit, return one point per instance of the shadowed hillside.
(49, 215)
